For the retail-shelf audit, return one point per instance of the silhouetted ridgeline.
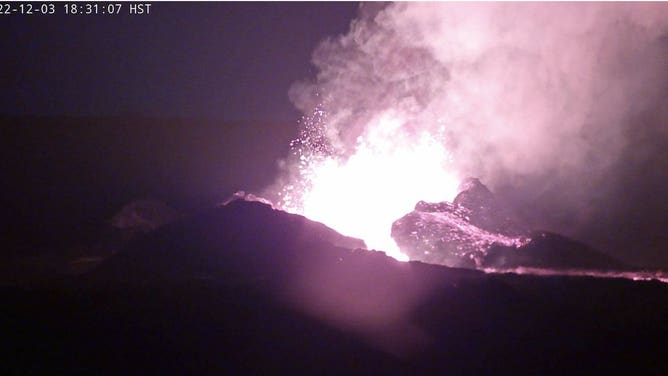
(63, 177)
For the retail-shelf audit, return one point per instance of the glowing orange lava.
(388, 173)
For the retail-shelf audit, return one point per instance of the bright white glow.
(388, 173)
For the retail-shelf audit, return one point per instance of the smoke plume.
(549, 104)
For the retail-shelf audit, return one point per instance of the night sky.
(186, 104)
(205, 60)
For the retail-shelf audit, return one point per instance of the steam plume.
(538, 99)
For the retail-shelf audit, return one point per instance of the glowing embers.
(389, 171)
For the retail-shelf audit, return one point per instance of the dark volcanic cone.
(550, 251)
(479, 231)
(486, 212)
(305, 265)
(214, 243)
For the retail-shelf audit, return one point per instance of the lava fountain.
(360, 195)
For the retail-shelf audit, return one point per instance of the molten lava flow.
(389, 171)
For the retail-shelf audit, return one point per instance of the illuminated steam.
(419, 95)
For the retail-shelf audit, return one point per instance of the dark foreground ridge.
(246, 289)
